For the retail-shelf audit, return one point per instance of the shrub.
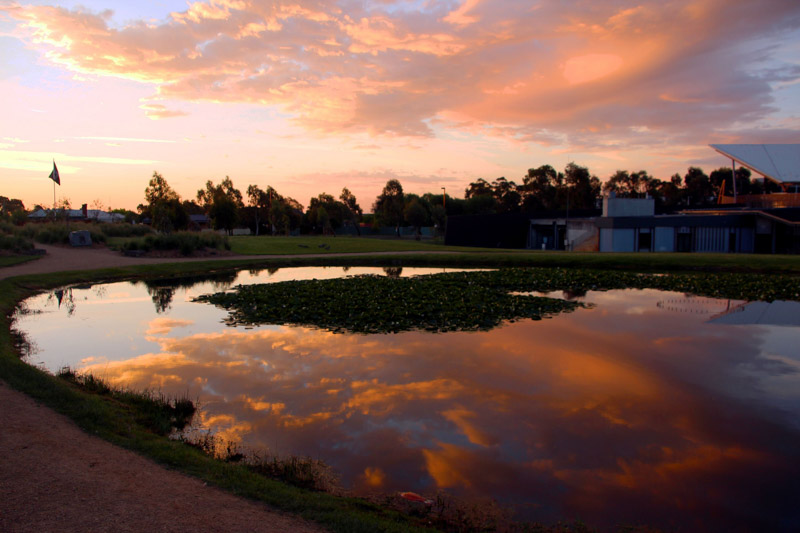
(15, 243)
(185, 241)
(125, 230)
(58, 233)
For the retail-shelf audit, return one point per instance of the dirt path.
(55, 477)
(59, 258)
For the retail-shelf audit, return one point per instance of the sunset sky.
(310, 96)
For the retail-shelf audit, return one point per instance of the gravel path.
(56, 478)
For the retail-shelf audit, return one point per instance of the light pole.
(444, 198)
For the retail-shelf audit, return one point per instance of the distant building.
(738, 230)
(86, 215)
(766, 223)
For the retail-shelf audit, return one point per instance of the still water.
(645, 407)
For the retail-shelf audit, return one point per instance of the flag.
(54, 174)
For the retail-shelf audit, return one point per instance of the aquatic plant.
(465, 301)
(377, 304)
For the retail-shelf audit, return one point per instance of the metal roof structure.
(777, 313)
(778, 162)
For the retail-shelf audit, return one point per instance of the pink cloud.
(585, 75)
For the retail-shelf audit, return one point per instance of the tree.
(699, 191)
(540, 187)
(480, 198)
(390, 204)
(158, 190)
(416, 215)
(582, 189)
(354, 213)
(480, 187)
(724, 175)
(326, 214)
(163, 206)
(12, 209)
(258, 200)
(506, 194)
(222, 203)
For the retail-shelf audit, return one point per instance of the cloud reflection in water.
(600, 414)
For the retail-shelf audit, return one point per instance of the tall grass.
(125, 230)
(153, 410)
(184, 241)
(15, 243)
(58, 232)
(303, 472)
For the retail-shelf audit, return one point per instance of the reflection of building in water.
(736, 312)
(697, 305)
(777, 313)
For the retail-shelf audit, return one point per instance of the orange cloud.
(527, 74)
(590, 67)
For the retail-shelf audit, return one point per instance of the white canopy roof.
(777, 313)
(778, 162)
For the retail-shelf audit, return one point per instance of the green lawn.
(468, 256)
(11, 260)
(252, 245)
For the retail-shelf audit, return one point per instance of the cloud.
(158, 111)
(36, 161)
(578, 75)
(164, 325)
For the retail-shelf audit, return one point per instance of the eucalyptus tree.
(222, 203)
(163, 206)
(389, 205)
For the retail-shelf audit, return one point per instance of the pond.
(638, 406)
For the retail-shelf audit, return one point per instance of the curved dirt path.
(55, 477)
(62, 259)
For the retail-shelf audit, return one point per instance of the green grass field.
(11, 260)
(268, 245)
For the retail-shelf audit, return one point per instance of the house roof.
(778, 162)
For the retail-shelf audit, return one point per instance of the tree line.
(265, 210)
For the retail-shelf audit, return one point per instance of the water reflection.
(623, 413)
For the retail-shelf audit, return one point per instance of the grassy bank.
(11, 260)
(268, 245)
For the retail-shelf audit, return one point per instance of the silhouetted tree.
(258, 200)
(389, 205)
(222, 202)
(582, 189)
(506, 194)
(163, 206)
(354, 213)
(699, 191)
(540, 187)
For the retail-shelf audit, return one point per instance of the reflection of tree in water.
(65, 298)
(100, 291)
(393, 272)
(574, 294)
(256, 271)
(346, 269)
(162, 291)
(162, 297)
